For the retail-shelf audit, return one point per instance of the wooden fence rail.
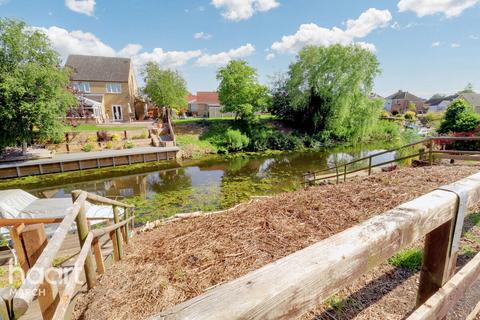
(291, 286)
(342, 171)
(53, 306)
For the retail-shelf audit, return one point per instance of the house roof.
(191, 98)
(404, 95)
(94, 68)
(208, 98)
(472, 98)
(437, 101)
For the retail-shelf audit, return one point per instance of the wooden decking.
(86, 160)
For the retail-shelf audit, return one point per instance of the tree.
(412, 107)
(165, 88)
(239, 90)
(326, 92)
(459, 117)
(438, 96)
(33, 95)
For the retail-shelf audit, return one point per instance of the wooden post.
(83, 230)
(345, 174)
(35, 240)
(113, 238)
(430, 153)
(127, 228)
(98, 256)
(421, 154)
(438, 265)
(15, 233)
(370, 166)
(337, 174)
(118, 235)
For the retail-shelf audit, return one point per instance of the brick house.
(107, 85)
(400, 101)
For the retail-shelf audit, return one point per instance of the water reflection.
(216, 183)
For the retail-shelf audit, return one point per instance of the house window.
(114, 88)
(82, 87)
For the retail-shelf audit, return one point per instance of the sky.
(423, 46)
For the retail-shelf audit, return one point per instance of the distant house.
(206, 105)
(400, 101)
(439, 104)
(107, 85)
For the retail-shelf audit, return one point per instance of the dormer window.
(114, 88)
(82, 87)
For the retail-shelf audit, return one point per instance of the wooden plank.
(102, 200)
(113, 238)
(35, 240)
(29, 221)
(15, 234)
(289, 287)
(458, 157)
(100, 232)
(446, 297)
(69, 290)
(83, 231)
(26, 292)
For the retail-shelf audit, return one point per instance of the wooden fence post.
(118, 234)
(35, 240)
(83, 230)
(430, 153)
(345, 174)
(98, 256)
(370, 166)
(15, 234)
(127, 232)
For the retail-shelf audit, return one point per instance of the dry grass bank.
(182, 259)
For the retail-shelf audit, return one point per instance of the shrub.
(109, 145)
(410, 115)
(116, 137)
(235, 140)
(434, 116)
(88, 147)
(385, 114)
(459, 117)
(128, 144)
(92, 139)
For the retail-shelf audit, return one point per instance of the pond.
(218, 182)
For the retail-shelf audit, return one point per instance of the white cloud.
(455, 45)
(202, 35)
(237, 10)
(223, 58)
(270, 56)
(130, 50)
(79, 42)
(166, 59)
(450, 8)
(312, 34)
(474, 37)
(81, 6)
(436, 44)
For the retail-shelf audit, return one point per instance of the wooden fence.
(291, 286)
(36, 255)
(425, 150)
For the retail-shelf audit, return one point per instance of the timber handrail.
(289, 287)
(88, 241)
(6, 222)
(342, 169)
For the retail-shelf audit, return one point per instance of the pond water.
(214, 183)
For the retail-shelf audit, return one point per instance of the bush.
(459, 117)
(116, 137)
(385, 114)
(410, 115)
(128, 144)
(235, 140)
(92, 139)
(385, 131)
(280, 141)
(88, 147)
(109, 145)
(434, 116)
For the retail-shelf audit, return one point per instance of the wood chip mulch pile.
(182, 259)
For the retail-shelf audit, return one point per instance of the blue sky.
(424, 46)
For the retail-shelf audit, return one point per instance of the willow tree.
(33, 95)
(326, 92)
